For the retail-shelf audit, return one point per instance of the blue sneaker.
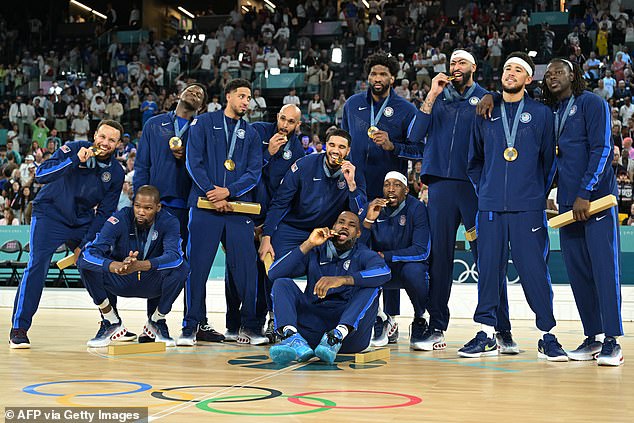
(418, 329)
(291, 347)
(587, 351)
(329, 346)
(610, 354)
(480, 346)
(550, 349)
(18, 339)
(188, 337)
(158, 330)
(107, 333)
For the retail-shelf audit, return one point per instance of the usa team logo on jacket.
(154, 235)
(573, 110)
(341, 184)
(241, 133)
(403, 220)
(346, 264)
(106, 176)
(65, 149)
(113, 220)
(474, 100)
(525, 117)
(388, 112)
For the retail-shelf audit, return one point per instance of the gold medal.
(510, 154)
(95, 150)
(230, 165)
(175, 143)
(372, 130)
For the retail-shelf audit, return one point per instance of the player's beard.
(512, 90)
(381, 92)
(238, 112)
(466, 77)
(188, 106)
(345, 245)
(143, 226)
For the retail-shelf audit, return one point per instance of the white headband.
(566, 61)
(462, 54)
(396, 175)
(521, 62)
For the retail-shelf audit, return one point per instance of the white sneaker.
(248, 336)
(107, 333)
(231, 336)
(187, 337)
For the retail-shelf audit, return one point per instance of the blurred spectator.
(292, 98)
(9, 218)
(257, 107)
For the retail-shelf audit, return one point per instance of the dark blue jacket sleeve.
(476, 154)
(195, 153)
(358, 198)
(172, 253)
(96, 254)
(598, 128)
(421, 241)
(282, 200)
(142, 162)
(548, 150)
(251, 177)
(376, 272)
(106, 207)
(293, 264)
(58, 165)
(412, 148)
(345, 124)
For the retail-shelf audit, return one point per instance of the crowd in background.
(50, 94)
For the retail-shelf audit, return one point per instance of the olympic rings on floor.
(204, 405)
(31, 389)
(273, 393)
(411, 399)
(66, 400)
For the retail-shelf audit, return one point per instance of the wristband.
(369, 221)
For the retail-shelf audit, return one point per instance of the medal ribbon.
(374, 120)
(511, 135)
(232, 146)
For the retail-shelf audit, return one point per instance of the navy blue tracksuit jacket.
(400, 120)
(511, 202)
(355, 306)
(70, 208)
(117, 238)
(591, 249)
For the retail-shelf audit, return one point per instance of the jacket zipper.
(453, 135)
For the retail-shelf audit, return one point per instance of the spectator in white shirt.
(292, 98)
(214, 105)
(257, 107)
(80, 127)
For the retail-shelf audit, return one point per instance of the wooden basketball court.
(229, 382)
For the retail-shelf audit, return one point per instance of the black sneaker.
(144, 339)
(18, 339)
(207, 334)
(128, 337)
(549, 348)
(271, 333)
(417, 335)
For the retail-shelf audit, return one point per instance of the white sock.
(111, 316)
(600, 337)
(343, 329)
(157, 316)
(289, 327)
(489, 330)
(103, 305)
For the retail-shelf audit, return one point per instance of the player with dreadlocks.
(590, 245)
